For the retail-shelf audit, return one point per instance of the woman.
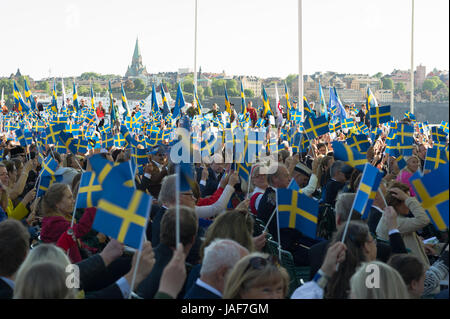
(57, 207)
(257, 276)
(44, 280)
(412, 165)
(391, 284)
(412, 272)
(403, 204)
(361, 247)
(324, 170)
(258, 186)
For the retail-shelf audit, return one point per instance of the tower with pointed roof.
(136, 68)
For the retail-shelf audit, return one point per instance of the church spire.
(137, 53)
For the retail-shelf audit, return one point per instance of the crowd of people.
(222, 253)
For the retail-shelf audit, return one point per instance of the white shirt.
(203, 284)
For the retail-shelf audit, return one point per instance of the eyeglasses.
(259, 263)
(187, 194)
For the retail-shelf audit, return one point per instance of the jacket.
(408, 227)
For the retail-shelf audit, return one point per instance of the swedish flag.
(362, 128)
(140, 156)
(266, 104)
(391, 142)
(380, 115)
(125, 101)
(197, 101)
(54, 105)
(323, 104)
(360, 142)
(29, 96)
(21, 137)
(113, 111)
(349, 155)
(399, 158)
(110, 174)
(166, 109)
(334, 127)
(49, 166)
(92, 100)
(371, 100)
(243, 106)
(18, 99)
(315, 127)
(432, 192)
(444, 126)
(410, 116)
(75, 98)
(122, 213)
(438, 135)
(46, 181)
(89, 192)
(347, 123)
(405, 138)
(227, 101)
(107, 140)
(367, 190)
(52, 132)
(435, 157)
(298, 211)
(68, 141)
(179, 103)
(119, 140)
(187, 181)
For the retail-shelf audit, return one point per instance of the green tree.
(42, 86)
(400, 87)
(231, 84)
(217, 86)
(429, 85)
(208, 92)
(290, 79)
(388, 84)
(379, 75)
(90, 75)
(200, 92)
(139, 85)
(233, 92)
(129, 85)
(188, 86)
(84, 90)
(249, 93)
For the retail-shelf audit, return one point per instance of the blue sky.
(253, 37)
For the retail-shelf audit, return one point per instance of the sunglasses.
(259, 263)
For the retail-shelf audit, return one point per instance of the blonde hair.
(43, 280)
(391, 284)
(244, 277)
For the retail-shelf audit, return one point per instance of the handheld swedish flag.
(315, 127)
(360, 142)
(380, 115)
(349, 155)
(76, 105)
(125, 101)
(432, 192)
(371, 100)
(367, 190)
(90, 191)
(54, 105)
(296, 210)
(435, 157)
(122, 213)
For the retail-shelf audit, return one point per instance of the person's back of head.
(336, 168)
(167, 194)
(14, 246)
(385, 282)
(412, 271)
(234, 225)
(344, 203)
(188, 227)
(391, 200)
(356, 237)
(43, 280)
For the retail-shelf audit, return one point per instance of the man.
(290, 238)
(219, 258)
(100, 111)
(14, 246)
(344, 204)
(338, 172)
(306, 180)
(214, 110)
(422, 154)
(362, 113)
(216, 172)
(82, 104)
(155, 171)
(252, 111)
(164, 251)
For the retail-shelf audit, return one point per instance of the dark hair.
(9, 166)
(116, 153)
(188, 226)
(391, 200)
(357, 235)
(14, 246)
(409, 267)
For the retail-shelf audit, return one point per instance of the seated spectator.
(220, 256)
(391, 284)
(257, 276)
(337, 182)
(397, 197)
(258, 185)
(164, 251)
(44, 280)
(14, 246)
(57, 208)
(412, 165)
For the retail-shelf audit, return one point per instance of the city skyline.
(370, 37)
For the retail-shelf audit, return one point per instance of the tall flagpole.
(412, 61)
(300, 59)
(194, 103)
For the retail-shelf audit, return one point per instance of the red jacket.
(100, 112)
(253, 115)
(54, 226)
(210, 199)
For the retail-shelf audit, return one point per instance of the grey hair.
(273, 171)
(336, 167)
(221, 252)
(167, 192)
(344, 203)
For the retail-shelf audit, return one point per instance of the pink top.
(404, 177)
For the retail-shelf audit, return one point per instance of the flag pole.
(133, 280)
(278, 225)
(300, 60)
(194, 103)
(412, 60)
